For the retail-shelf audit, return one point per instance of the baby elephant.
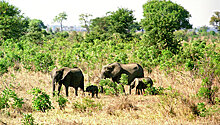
(92, 89)
(141, 84)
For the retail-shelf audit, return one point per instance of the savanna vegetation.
(182, 62)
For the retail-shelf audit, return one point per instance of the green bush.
(111, 88)
(208, 92)
(62, 101)
(87, 105)
(202, 111)
(154, 90)
(41, 101)
(62, 34)
(28, 119)
(6, 98)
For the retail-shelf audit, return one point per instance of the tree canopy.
(12, 22)
(59, 18)
(84, 19)
(119, 23)
(161, 19)
(215, 20)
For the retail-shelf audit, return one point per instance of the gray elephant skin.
(69, 77)
(141, 84)
(114, 71)
(93, 89)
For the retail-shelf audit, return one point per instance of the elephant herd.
(73, 77)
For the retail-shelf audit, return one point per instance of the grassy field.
(176, 107)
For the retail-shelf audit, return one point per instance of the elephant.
(92, 89)
(114, 71)
(141, 84)
(69, 77)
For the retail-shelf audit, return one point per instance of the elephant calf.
(141, 84)
(92, 89)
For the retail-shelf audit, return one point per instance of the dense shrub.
(41, 101)
(6, 98)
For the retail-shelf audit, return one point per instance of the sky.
(45, 10)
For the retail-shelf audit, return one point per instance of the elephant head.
(57, 76)
(111, 71)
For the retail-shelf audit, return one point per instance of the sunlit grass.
(124, 109)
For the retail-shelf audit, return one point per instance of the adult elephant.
(69, 77)
(114, 71)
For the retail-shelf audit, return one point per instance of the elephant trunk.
(53, 82)
(102, 76)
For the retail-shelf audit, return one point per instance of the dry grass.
(125, 109)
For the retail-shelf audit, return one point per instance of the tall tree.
(161, 19)
(84, 19)
(35, 30)
(12, 23)
(99, 25)
(121, 21)
(60, 18)
(215, 20)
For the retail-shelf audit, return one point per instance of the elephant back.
(75, 77)
(133, 71)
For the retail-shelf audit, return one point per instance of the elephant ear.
(65, 72)
(116, 69)
(53, 72)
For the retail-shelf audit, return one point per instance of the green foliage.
(181, 35)
(120, 22)
(35, 32)
(154, 90)
(62, 34)
(84, 19)
(28, 119)
(12, 23)
(87, 105)
(9, 98)
(76, 36)
(215, 20)
(117, 25)
(124, 79)
(161, 19)
(111, 88)
(121, 58)
(60, 18)
(62, 101)
(207, 92)
(202, 111)
(41, 101)
(99, 25)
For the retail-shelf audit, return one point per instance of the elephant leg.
(144, 91)
(93, 93)
(53, 89)
(139, 91)
(76, 89)
(59, 88)
(67, 87)
(83, 91)
(96, 94)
